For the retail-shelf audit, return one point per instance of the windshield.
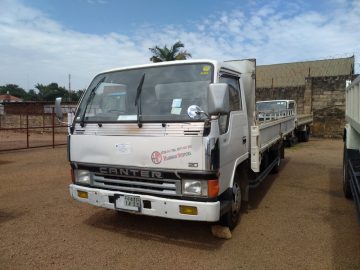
(166, 94)
(271, 106)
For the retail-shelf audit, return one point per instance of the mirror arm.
(63, 123)
(200, 112)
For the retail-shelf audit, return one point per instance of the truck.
(176, 139)
(269, 109)
(351, 155)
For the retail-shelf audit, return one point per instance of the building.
(317, 87)
(9, 98)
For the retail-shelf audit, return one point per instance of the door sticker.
(169, 154)
(123, 148)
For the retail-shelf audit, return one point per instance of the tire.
(306, 134)
(231, 218)
(346, 183)
(276, 168)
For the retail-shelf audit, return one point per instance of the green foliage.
(14, 90)
(45, 92)
(74, 95)
(169, 54)
(32, 95)
(50, 92)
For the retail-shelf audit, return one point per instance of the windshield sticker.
(176, 111)
(127, 118)
(205, 70)
(123, 148)
(169, 154)
(176, 103)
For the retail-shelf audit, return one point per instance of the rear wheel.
(277, 166)
(306, 134)
(231, 218)
(346, 183)
(277, 155)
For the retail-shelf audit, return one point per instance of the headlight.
(194, 187)
(82, 176)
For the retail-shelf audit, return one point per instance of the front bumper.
(160, 207)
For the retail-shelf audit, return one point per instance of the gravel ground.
(297, 219)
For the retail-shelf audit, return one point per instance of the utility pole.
(69, 87)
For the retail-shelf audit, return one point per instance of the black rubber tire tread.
(228, 220)
(346, 183)
(306, 134)
(276, 168)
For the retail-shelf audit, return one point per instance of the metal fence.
(31, 125)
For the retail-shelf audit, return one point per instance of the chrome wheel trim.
(236, 203)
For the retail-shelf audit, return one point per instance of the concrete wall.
(328, 104)
(324, 96)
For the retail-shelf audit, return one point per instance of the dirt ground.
(40, 137)
(297, 219)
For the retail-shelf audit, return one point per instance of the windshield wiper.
(91, 96)
(138, 100)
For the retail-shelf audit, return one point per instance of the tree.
(31, 95)
(50, 92)
(169, 54)
(14, 90)
(75, 95)
(45, 92)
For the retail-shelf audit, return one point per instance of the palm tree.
(169, 54)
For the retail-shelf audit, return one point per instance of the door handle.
(244, 139)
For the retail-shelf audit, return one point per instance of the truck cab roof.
(217, 65)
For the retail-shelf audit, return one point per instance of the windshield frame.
(100, 77)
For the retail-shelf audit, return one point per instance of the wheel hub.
(236, 203)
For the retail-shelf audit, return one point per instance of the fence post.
(53, 127)
(27, 127)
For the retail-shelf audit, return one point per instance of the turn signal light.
(82, 194)
(213, 188)
(188, 210)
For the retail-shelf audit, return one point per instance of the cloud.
(36, 49)
(94, 2)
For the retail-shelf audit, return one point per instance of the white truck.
(174, 139)
(351, 160)
(273, 109)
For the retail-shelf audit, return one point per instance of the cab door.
(234, 129)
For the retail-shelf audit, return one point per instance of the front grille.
(169, 187)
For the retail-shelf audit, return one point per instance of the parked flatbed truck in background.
(270, 109)
(174, 139)
(351, 161)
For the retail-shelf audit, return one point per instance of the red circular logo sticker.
(156, 157)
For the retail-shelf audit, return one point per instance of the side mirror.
(218, 98)
(58, 110)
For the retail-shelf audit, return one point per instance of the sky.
(43, 41)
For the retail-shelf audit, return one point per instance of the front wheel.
(231, 218)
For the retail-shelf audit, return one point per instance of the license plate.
(128, 202)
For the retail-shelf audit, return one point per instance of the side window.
(235, 98)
